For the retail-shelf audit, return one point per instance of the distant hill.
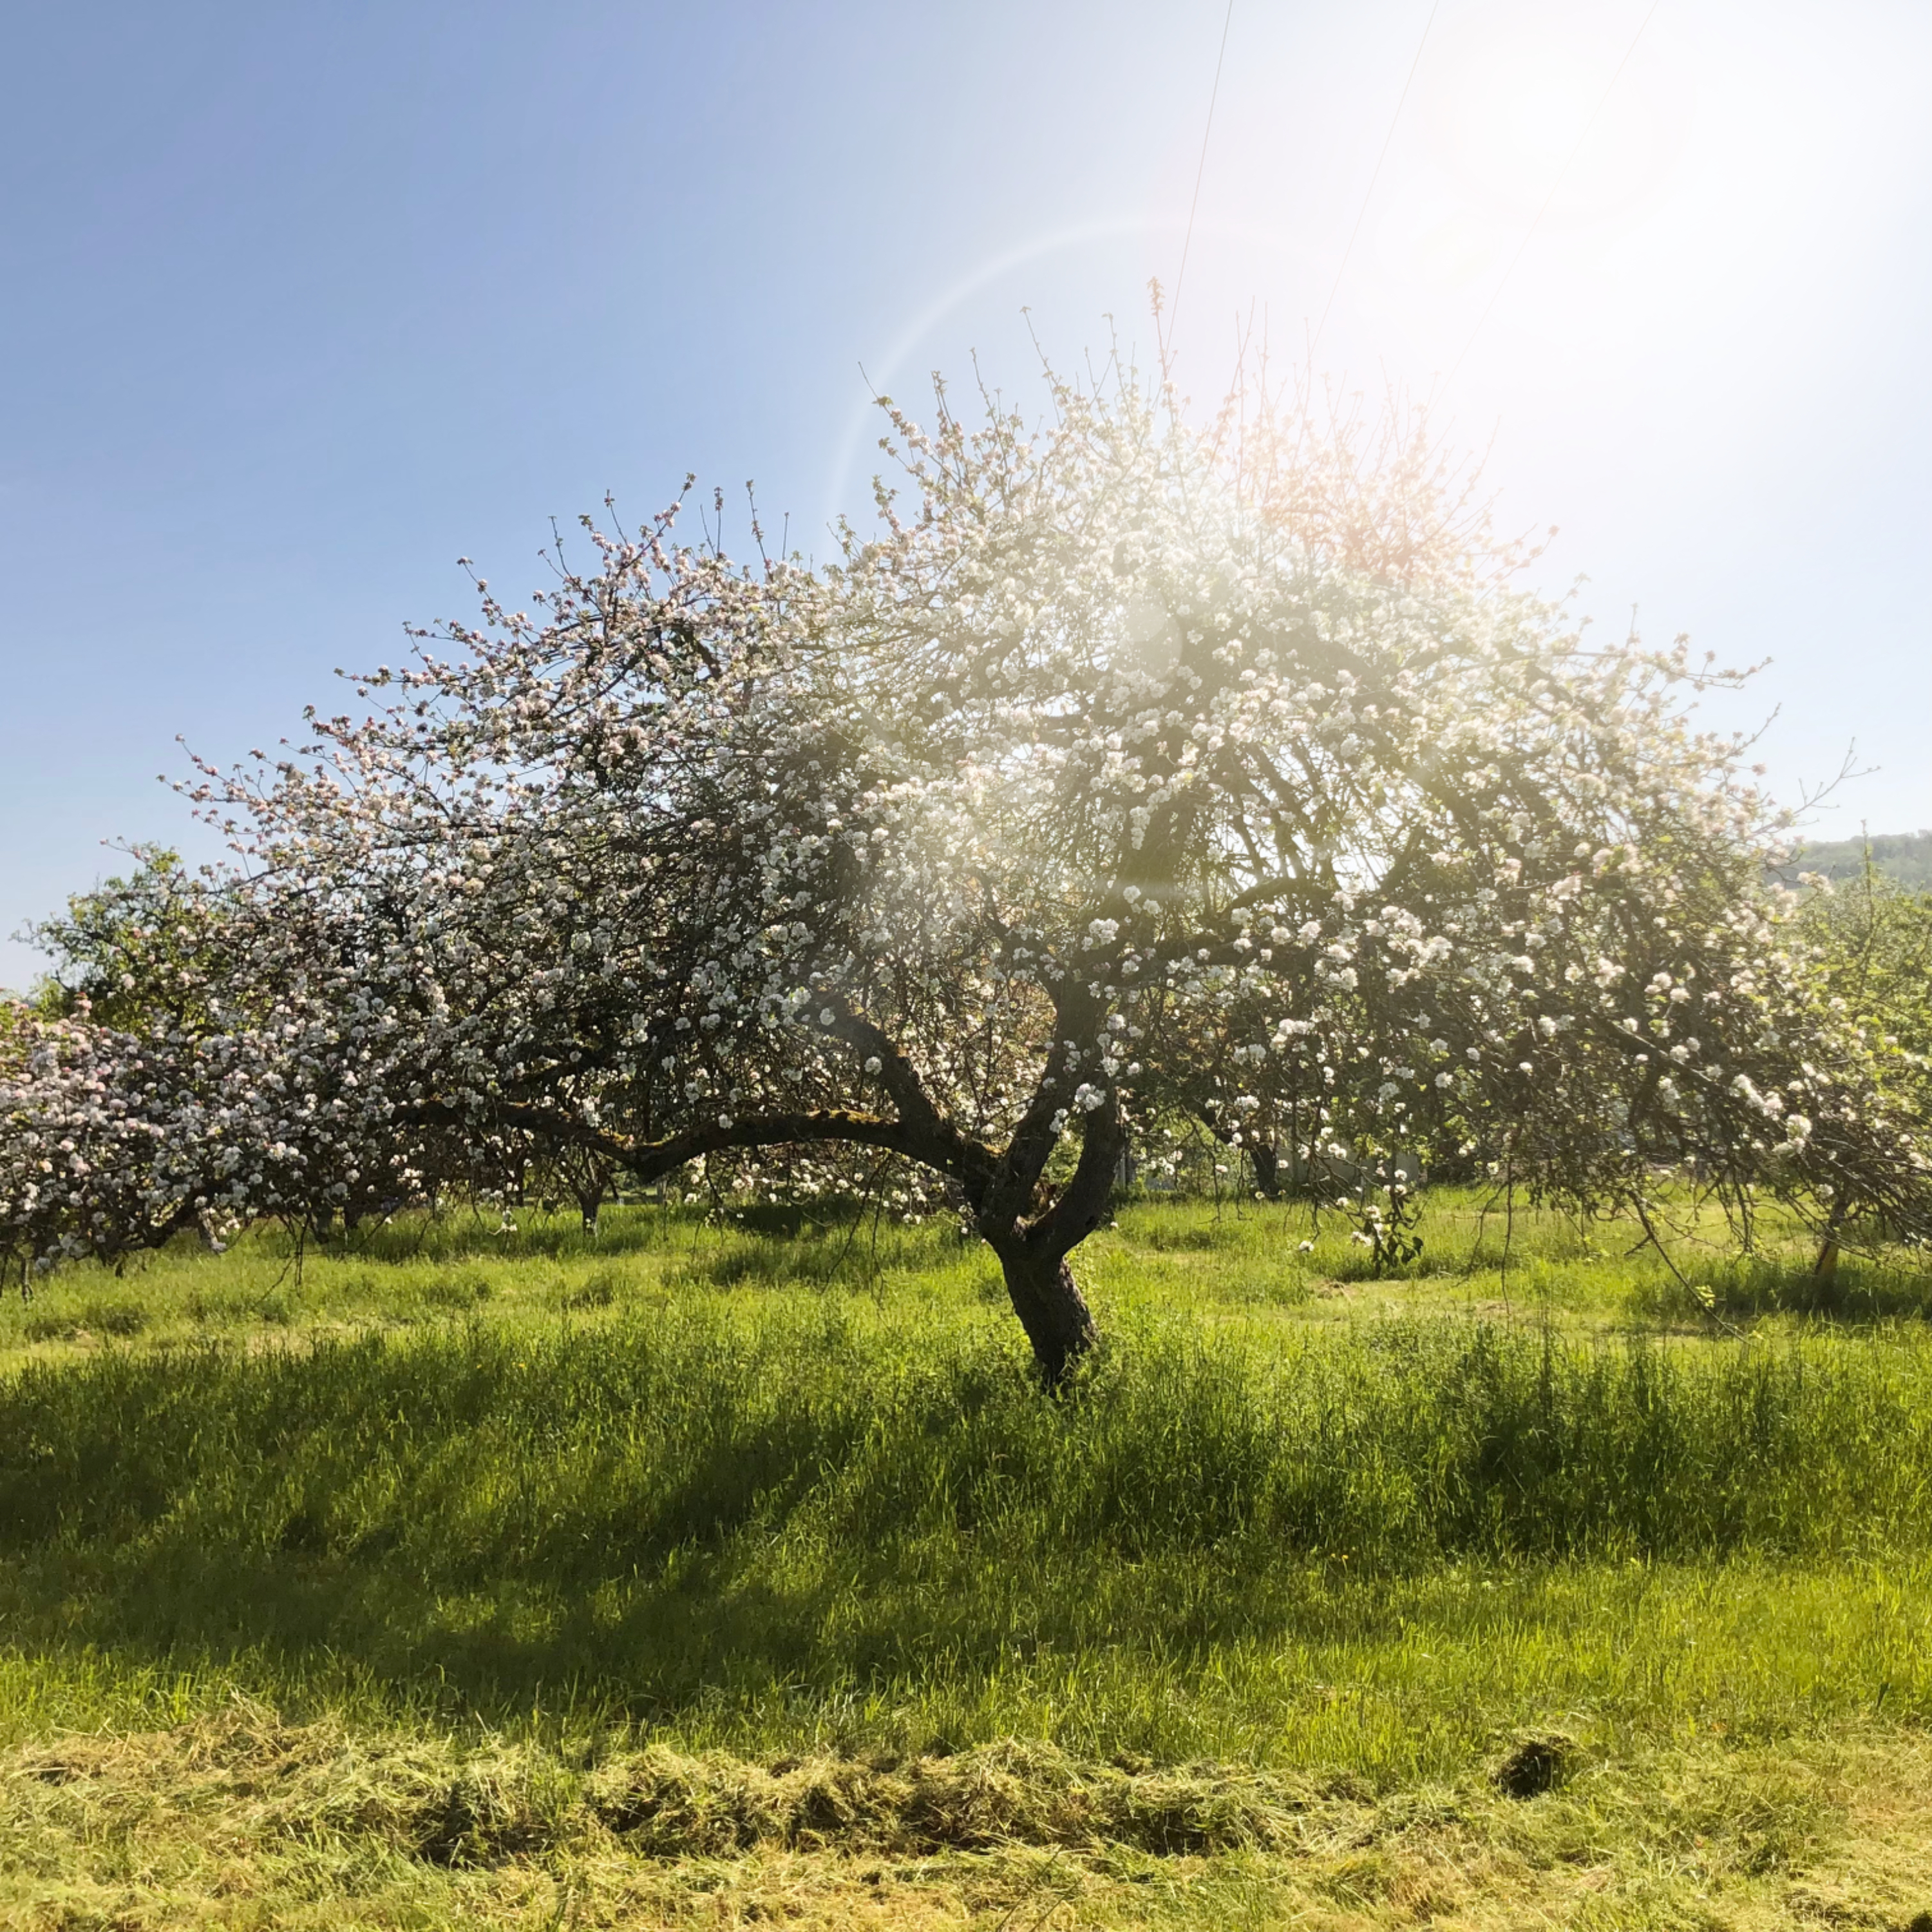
(1905, 857)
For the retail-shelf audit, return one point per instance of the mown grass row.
(236, 1820)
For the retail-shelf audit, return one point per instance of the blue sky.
(303, 303)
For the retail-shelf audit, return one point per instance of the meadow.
(717, 1575)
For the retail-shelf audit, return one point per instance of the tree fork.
(1034, 1256)
(1267, 1165)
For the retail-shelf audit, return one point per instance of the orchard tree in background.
(1131, 768)
(1870, 947)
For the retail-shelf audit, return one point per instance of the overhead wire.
(1201, 169)
(1368, 193)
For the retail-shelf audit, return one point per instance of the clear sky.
(301, 303)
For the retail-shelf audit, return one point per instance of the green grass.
(772, 1524)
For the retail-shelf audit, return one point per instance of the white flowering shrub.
(1129, 768)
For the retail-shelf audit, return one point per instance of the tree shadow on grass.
(710, 1627)
(786, 1242)
(1857, 1293)
(649, 1517)
(427, 1517)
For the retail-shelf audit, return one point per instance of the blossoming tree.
(1129, 767)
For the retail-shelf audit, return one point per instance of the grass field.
(716, 1577)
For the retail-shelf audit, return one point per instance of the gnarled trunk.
(1051, 1308)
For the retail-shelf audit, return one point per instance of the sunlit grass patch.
(672, 1504)
(1238, 1257)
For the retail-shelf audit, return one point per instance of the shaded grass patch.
(822, 1523)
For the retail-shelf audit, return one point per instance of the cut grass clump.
(451, 1805)
(717, 1806)
(241, 1820)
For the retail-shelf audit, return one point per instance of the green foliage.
(1903, 859)
(1874, 941)
(13, 1016)
(136, 954)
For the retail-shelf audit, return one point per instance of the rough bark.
(1033, 1252)
(1051, 1308)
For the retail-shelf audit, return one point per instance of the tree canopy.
(1129, 766)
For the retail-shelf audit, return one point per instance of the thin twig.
(1705, 1298)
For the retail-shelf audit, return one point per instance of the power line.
(1529, 234)
(1187, 242)
(1361, 214)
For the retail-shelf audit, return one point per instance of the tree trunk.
(1051, 1310)
(1267, 1165)
(1825, 1270)
(590, 1202)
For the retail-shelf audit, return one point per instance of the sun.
(1527, 108)
(1529, 116)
